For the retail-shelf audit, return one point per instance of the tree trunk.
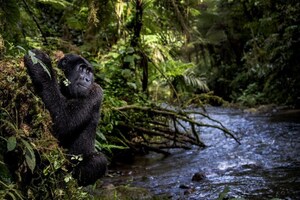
(135, 40)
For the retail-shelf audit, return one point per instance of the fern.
(193, 80)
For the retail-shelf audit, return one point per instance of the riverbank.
(264, 166)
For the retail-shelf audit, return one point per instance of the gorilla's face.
(81, 79)
(79, 72)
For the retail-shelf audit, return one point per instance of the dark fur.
(74, 112)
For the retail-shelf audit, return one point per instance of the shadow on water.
(266, 165)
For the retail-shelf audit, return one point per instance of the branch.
(35, 21)
(152, 128)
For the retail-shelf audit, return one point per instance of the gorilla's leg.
(90, 169)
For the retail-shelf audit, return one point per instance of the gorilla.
(74, 108)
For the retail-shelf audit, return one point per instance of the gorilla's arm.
(61, 108)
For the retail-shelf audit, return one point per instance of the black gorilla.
(74, 108)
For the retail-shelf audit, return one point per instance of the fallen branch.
(163, 128)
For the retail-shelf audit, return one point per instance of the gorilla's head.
(79, 73)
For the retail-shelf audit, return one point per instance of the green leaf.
(29, 155)
(11, 143)
(130, 50)
(101, 135)
(75, 23)
(132, 85)
(35, 60)
(129, 59)
(126, 73)
(114, 55)
(195, 12)
(68, 178)
(66, 82)
(21, 48)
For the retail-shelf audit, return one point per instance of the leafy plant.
(251, 96)
(10, 191)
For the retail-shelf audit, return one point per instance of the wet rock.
(183, 186)
(199, 176)
(189, 191)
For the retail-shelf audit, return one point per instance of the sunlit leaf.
(66, 82)
(194, 12)
(132, 85)
(21, 48)
(114, 55)
(68, 178)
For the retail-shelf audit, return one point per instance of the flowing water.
(266, 165)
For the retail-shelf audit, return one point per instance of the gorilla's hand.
(40, 69)
(39, 65)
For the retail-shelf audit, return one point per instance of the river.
(266, 165)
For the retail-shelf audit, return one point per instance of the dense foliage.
(144, 52)
(245, 50)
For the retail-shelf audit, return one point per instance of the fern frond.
(192, 80)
